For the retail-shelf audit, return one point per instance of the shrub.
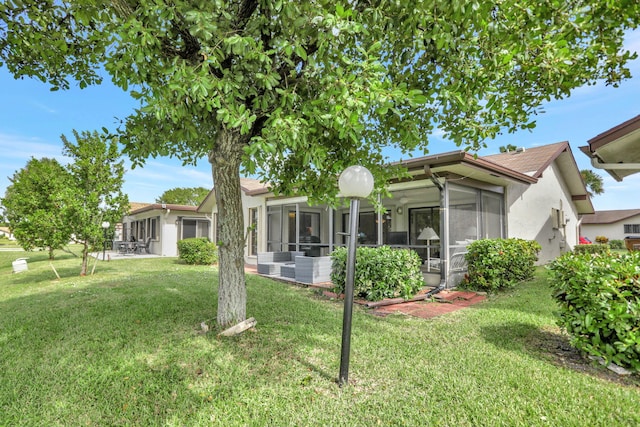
(599, 300)
(380, 273)
(592, 249)
(495, 264)
(198, 250)
(602, 239)
(616, 244)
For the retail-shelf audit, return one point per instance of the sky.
(32, 119)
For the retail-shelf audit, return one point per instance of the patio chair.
(143, 246)
(457, 262)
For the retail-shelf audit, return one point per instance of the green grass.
(124, 347)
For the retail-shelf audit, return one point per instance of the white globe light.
(356, 181)
(105, 224)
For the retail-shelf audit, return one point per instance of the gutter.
(614, 166)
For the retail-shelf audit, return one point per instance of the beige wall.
(529, 214)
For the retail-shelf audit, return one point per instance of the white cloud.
(21, 147)
(44, 107)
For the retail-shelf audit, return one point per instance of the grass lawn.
(124, 347)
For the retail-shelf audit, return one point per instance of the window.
(367, 228)
(419, 219)
(274, 228)
(144, 229)
(492, 215)
(631, 228)
(253, 231)
(195, 228)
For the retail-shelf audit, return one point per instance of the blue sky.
(32, 119)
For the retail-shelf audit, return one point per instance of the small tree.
(97, 178)
(184, 196)
(35, 205)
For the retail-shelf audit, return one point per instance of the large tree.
(183, 196)
(35, 205)
(295, 91)
(97, 176)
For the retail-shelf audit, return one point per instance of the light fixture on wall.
(400, 208)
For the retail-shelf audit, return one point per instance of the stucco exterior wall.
(613, 231)
(529, 214)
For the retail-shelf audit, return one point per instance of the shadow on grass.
(111, 343)
(551, 345)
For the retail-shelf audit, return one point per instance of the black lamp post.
(355, 182)
(105, 227)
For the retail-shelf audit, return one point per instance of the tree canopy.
(191, 196)
(47, 205)
(35, 205)
(294, 92)
(507, 148)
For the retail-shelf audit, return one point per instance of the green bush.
(592, 249)
(616, 244)
(602, 239)
(495, 264)
(599, 299)
(380, 272)
(198, 250)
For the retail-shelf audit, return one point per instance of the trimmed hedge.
(380, 273)
(616, 244)
(495, 264)
(198, 250)
(599, 300)
(595, 248)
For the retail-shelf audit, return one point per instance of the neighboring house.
(452, 199)
(614, 224)
(617, 150)
(164, 224)
(4, 231)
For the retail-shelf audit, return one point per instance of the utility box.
(20, 265)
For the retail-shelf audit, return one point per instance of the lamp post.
(355, 182)
(105, 226)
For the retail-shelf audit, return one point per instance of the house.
(451, 199)
(613, 224)
(165, 225)
(616, 150)
(549, 211)
(6, 232)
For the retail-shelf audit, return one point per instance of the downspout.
(444, 238)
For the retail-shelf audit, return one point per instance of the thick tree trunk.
(225, 161)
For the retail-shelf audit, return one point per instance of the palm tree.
(593, 182)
